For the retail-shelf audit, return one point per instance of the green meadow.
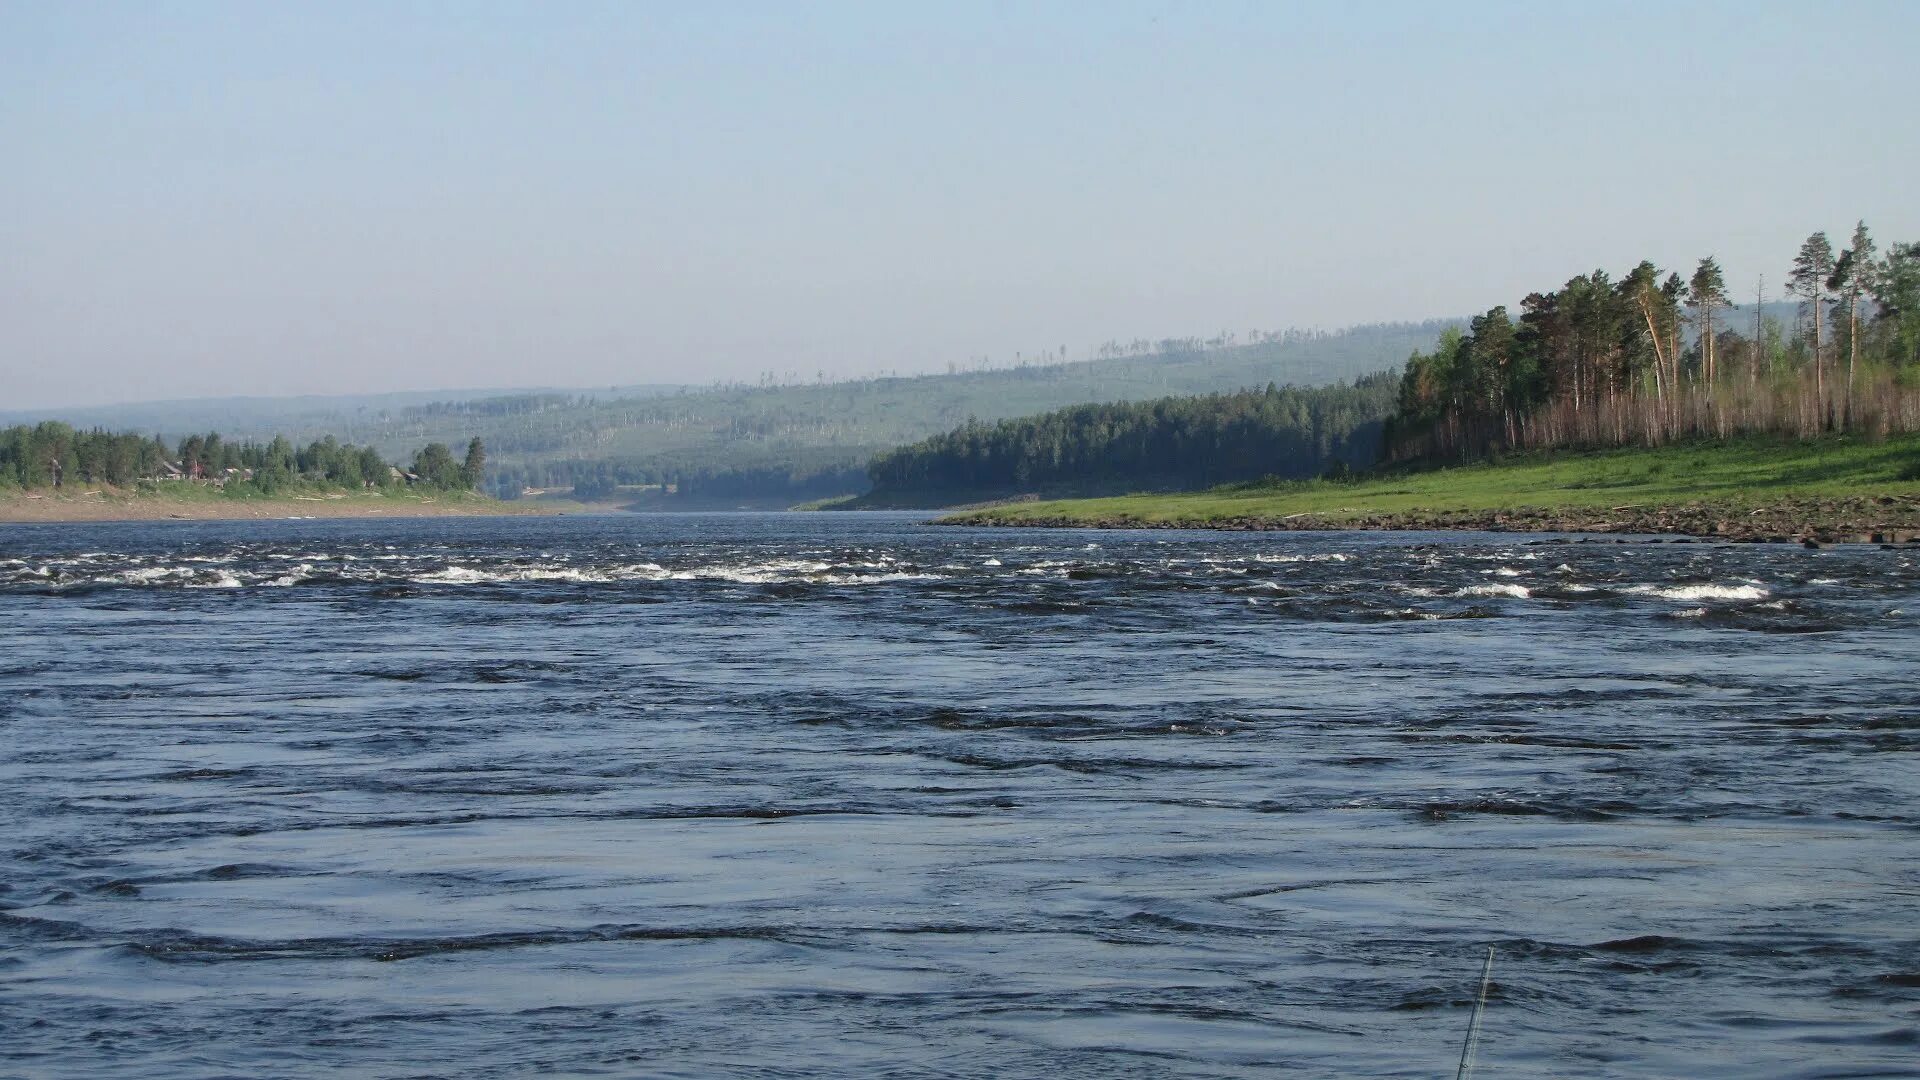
(1743, 474)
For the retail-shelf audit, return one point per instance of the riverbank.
(202, 504)
(1829, 491)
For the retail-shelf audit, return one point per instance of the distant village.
(52, 454)
(198, 471)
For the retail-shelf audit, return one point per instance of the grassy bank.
(1827, 489)
(155, 502)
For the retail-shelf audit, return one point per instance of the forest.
(1648, 359)
(53, 455)
(1171, 443)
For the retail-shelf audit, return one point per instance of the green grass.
(1750, 473)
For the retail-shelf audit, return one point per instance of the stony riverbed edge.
(1886, 520)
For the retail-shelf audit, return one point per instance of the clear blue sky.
(265, 198)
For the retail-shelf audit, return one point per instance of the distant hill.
(314, 414)
(1167, 444)
(769, 443)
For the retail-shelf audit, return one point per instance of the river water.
(852, 795)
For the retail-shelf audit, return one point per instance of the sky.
(213, 199)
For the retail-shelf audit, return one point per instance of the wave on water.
(1517, 592)
(467, 575)
(1694, 593)
(1325, 556)
(769, 573)
(1686, 593)
(186, 577)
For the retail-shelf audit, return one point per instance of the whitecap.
(143, 575)
(1518, 592)
(292, 577)
(455, 575)
(1329, 556)
(1698, 592)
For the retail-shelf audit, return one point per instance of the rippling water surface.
(845, 795)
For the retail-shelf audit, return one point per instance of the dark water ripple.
(848, 795)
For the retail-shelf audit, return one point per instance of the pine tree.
(1808, 280)
(1656, 306)
(1706, 295)
(475, 467)
(1853, 276)
(1896, 292)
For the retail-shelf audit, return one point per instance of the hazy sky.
(266, 198)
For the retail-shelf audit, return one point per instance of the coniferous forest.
(1169, 443)
(1648, 358)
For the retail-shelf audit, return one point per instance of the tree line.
(1648, 358)
(1175, 442)
(53, 454)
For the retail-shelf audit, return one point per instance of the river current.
(853, 795)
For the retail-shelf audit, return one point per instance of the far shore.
(104, 504)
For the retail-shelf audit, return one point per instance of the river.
(853, 795)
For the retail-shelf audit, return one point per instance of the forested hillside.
(784, 441)
(1648, 359)
(1180, 443)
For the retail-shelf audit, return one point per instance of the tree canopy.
(1649, 358)
(53, 454)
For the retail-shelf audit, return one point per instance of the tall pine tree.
(1852, 276)
(1706, 295)
(1808, 281)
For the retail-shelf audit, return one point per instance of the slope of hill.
(772, 443)
(347, 417)
(1165, 444)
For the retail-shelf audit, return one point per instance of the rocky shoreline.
(1878, 520)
